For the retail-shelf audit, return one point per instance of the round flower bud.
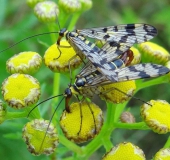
(124, 151)
(24, 62)
(82, 123)
(154, 53)
(70, 6)
(156, 115)
(20, 90)
(127, 117)
(162, 154)
(58, 58)
(2, 112)
(86, 4)
(117, 92)
(46, 11)
(32, 3)
(137, 56)
(40, 137)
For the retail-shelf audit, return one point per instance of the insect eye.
(62, 31)
(68, 92)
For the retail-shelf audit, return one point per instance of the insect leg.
(81, 115)
(95, 131)
(130, 96)
(60, 46)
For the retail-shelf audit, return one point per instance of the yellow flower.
(153, 53)
(137, 56)
(124, 151)
(117, 92)
(162, 154)
(156, 115)
(39, 140)
(82, 123)
(46, 11)
(58, 58)
(20, 90)
(24, 62)
(127, 117)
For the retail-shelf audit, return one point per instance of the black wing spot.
(130, 26)
(106, 36)
(105, 30)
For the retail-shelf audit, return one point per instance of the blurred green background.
(17, 21)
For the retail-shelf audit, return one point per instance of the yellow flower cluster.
(24, 62)
(82, 123)
(156, 115)
(124, 151)
(40, 137)
(118, 92)
(20, 90)
(60, 59)
(154, 53)
(162, 154)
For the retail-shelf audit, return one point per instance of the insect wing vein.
(146, 70)
(137, 33)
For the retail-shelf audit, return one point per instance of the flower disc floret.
(82, 123)
(46, 11)
(20, 90)
(24, 62)
(117, 92)
(156, 115)
(70, 6)
(58, 58)
(39, 140)
(154, 53)
(162, 154)
(124, 151)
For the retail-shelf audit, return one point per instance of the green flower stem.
(56, 91)
(107, 143)
(167, 144)
(74, 19)
(140, 126)
(12, 115)
(72, 146)
(63, 17)
(143, 84)
(53, 36)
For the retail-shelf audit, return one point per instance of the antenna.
(36, 35)
(42, 102)
(50, 122)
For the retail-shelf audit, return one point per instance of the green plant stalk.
(74, 20)
(139, 125)
(72, 146)
(143, 84)
(167, 144)
(12, 115)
